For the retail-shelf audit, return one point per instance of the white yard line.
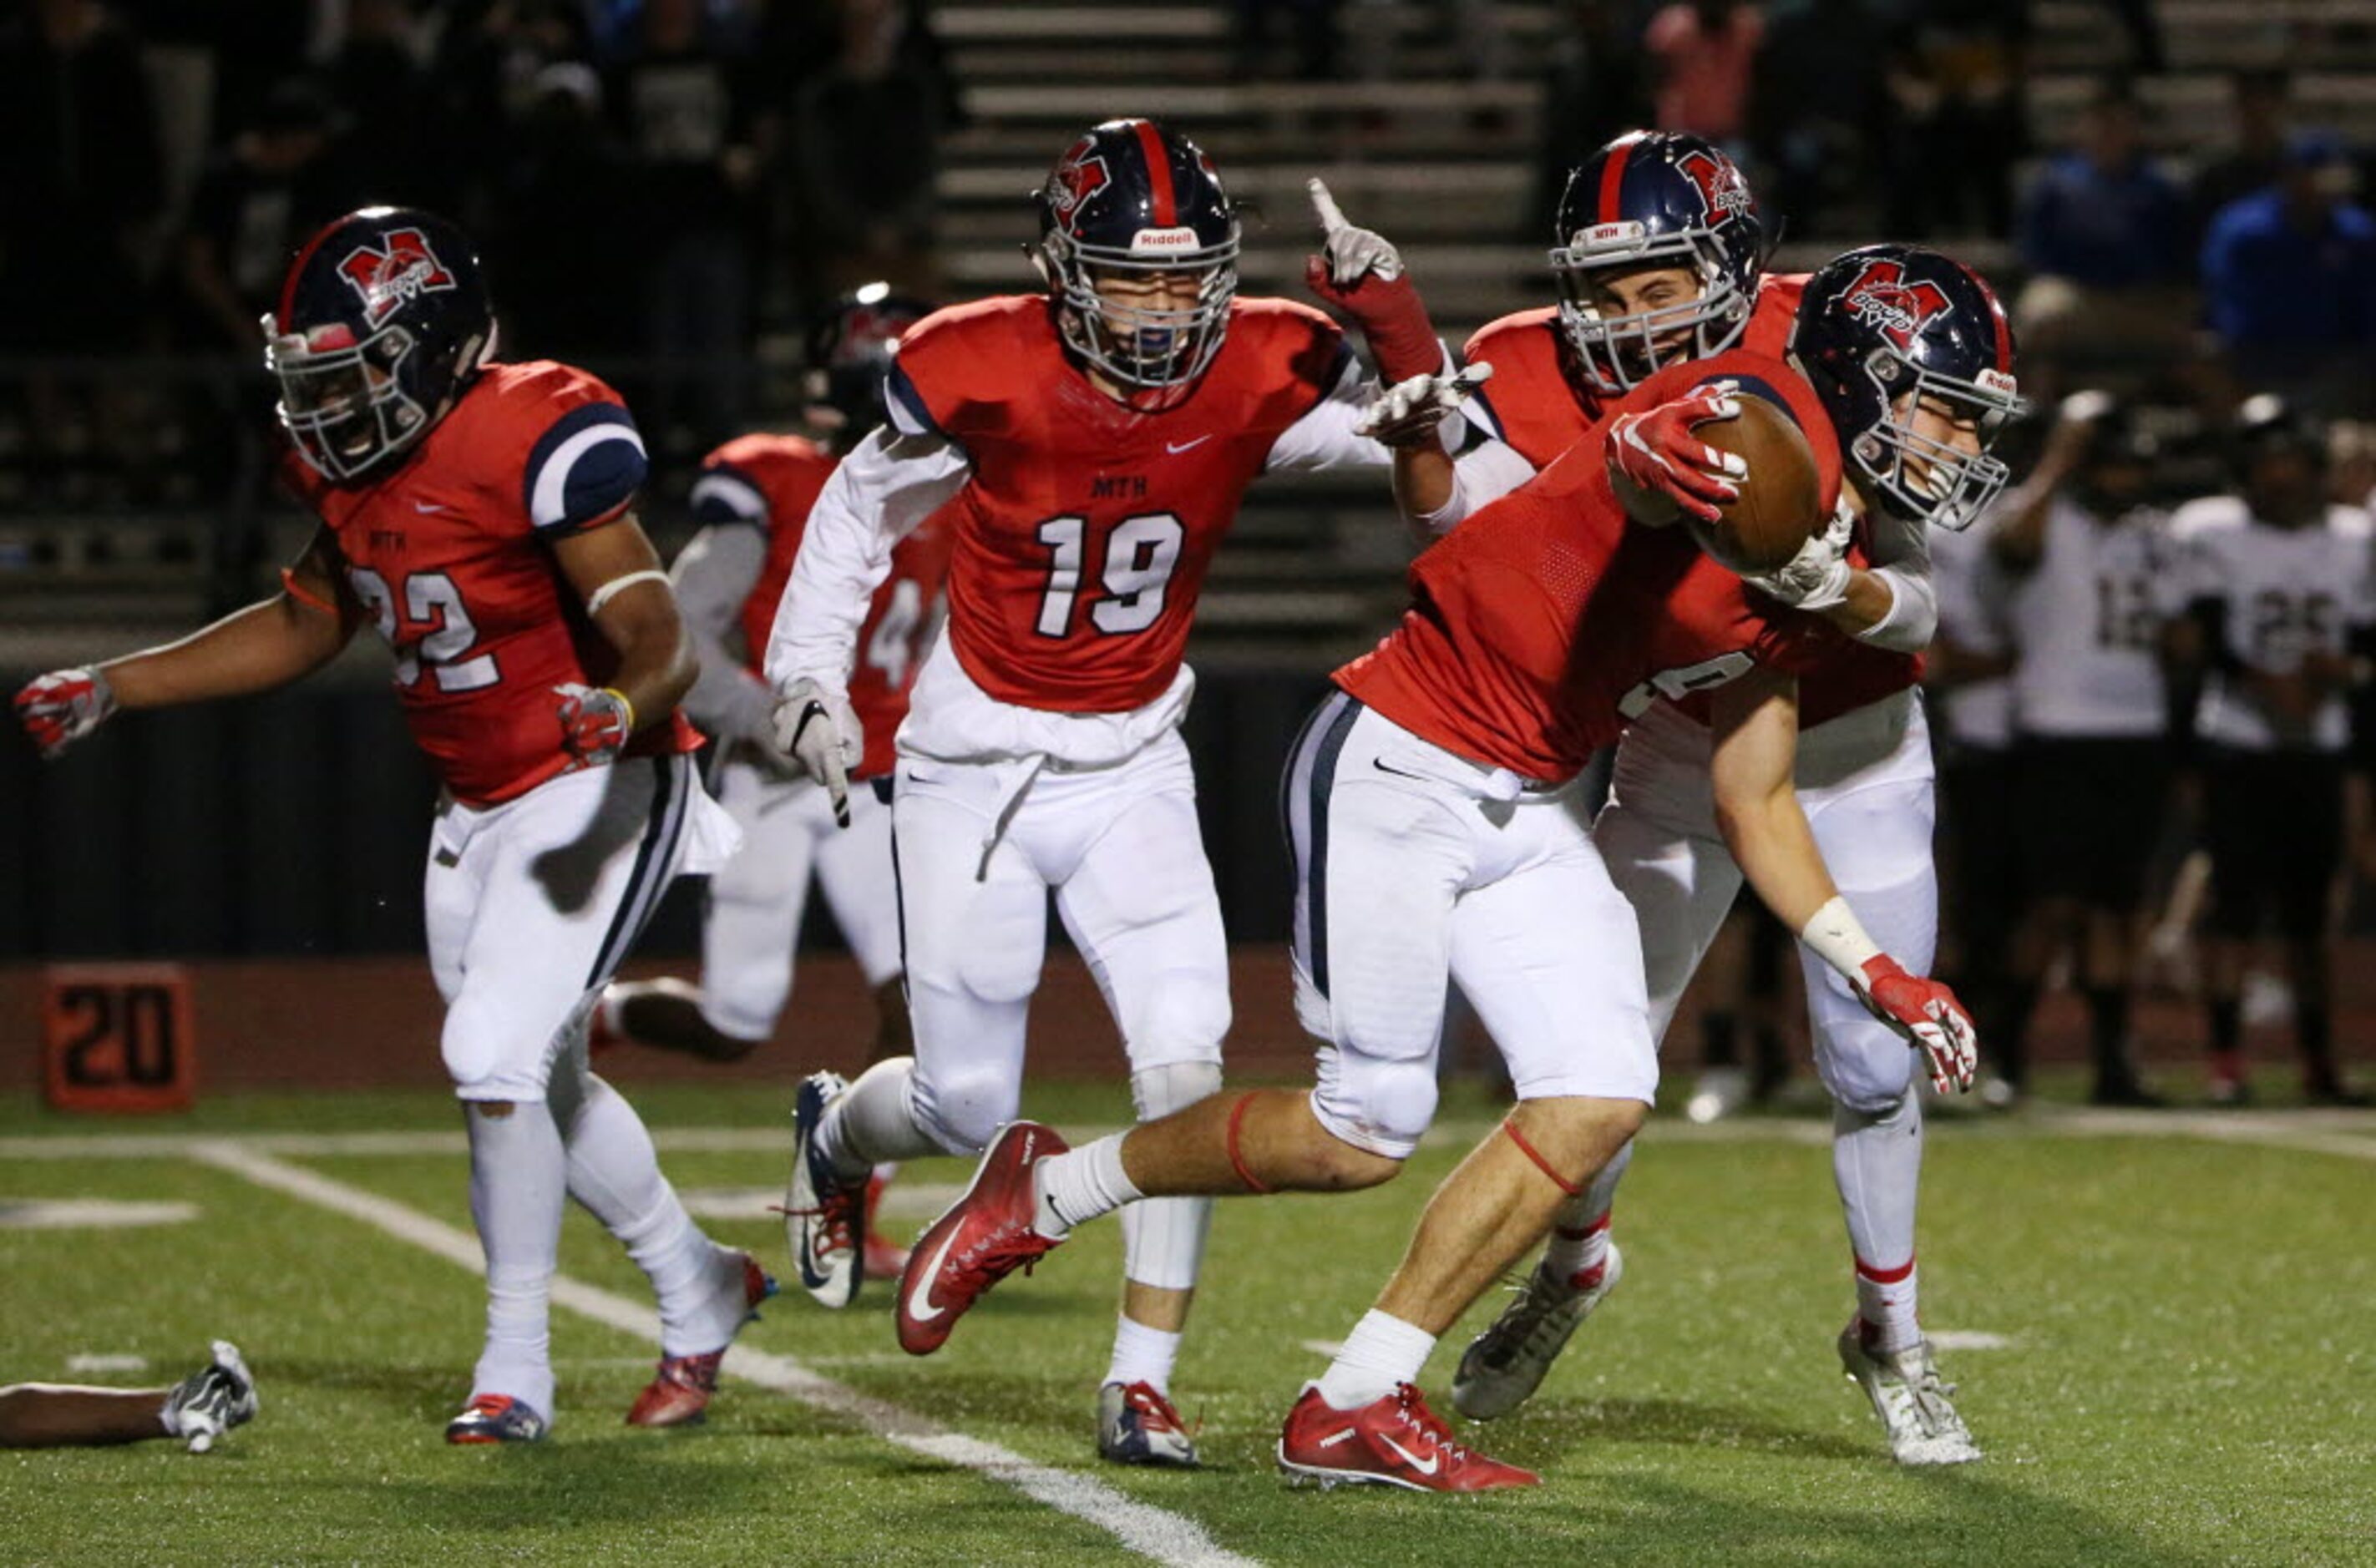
(1154, 1533)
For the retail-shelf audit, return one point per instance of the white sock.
(519, 1185)
(1380, 1353)
(1143, 1355)
(614, 1172)
(1078, 1185)
(1886, 1302)
(1577, 1255)
(1877, 1162)
(871, 1123)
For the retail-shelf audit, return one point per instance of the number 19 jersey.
(1081, 539)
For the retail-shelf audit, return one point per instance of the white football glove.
(817, 731)
(1350, 252)
(1408, 413)
(1817, 577)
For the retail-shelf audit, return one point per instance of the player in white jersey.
(1090, 446)
(2279, 613)
(2089, 560)
(1968, 677)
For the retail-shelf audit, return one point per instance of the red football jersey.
(1081, 539)
(1543, 623)
(1542, 411)
(447, 555)
(771, 481)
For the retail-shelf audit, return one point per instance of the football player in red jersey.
(1428, 806)
(1087, 448)
(1658, 253)
(1938, 386)
(478, 513)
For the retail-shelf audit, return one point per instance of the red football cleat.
(680, 1391)
(985, 1236)
(886, 1259)
(1394, 1441)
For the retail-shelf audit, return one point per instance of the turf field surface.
(2164, 1330)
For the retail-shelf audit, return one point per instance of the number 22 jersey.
(449, 555)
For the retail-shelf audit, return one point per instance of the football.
(1780, 503)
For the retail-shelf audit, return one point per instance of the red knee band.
(1510, 1125)
(1237, 1161)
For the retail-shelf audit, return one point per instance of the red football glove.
(1928, 1015)
(595, 724)
(1655, 450)
(61, 707)
(1359, 273)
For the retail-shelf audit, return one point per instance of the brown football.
(1780, 503)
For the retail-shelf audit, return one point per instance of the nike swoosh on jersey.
(1379, 763)
(920, 1300)
(1410, 1458)
(426, 507)
(1176, 448)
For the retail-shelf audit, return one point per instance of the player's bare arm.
(618, 575)
(268, 643)
(1753, 770)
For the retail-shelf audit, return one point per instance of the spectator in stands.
(687, 115)
(79, 185)
(1592, 94)
(2103, 216)
(1954, 131)
(2290, 272)
(1815, 110)
(1704, 53)
(2256, 155)
(561, 295)
(255, 201)
(865, 134)
(393, 149)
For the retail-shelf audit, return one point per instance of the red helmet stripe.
(1158, 173)
(297, 269)
(1612, 181)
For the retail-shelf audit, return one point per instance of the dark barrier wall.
(296, 824)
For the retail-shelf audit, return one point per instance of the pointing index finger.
(1331, 219)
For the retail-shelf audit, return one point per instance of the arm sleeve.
(1480, 476)
(713, 576)
(1900, 554)
(1324, 439)
(878, 496)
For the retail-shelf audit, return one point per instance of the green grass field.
(2188, 1372)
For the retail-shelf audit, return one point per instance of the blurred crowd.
(652, 180)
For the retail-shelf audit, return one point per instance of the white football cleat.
(1909, 1398)
(1505, 1365)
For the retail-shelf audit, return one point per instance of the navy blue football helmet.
(850, 353)
(1884, 330)
(1130, 199)
(383, 322)
(1656, 198)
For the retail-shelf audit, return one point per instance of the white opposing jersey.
(2280, 593)
(2086, 623)
(1972, 593)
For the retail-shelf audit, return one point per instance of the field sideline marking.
(2350, 1134)
(1152, 1532)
